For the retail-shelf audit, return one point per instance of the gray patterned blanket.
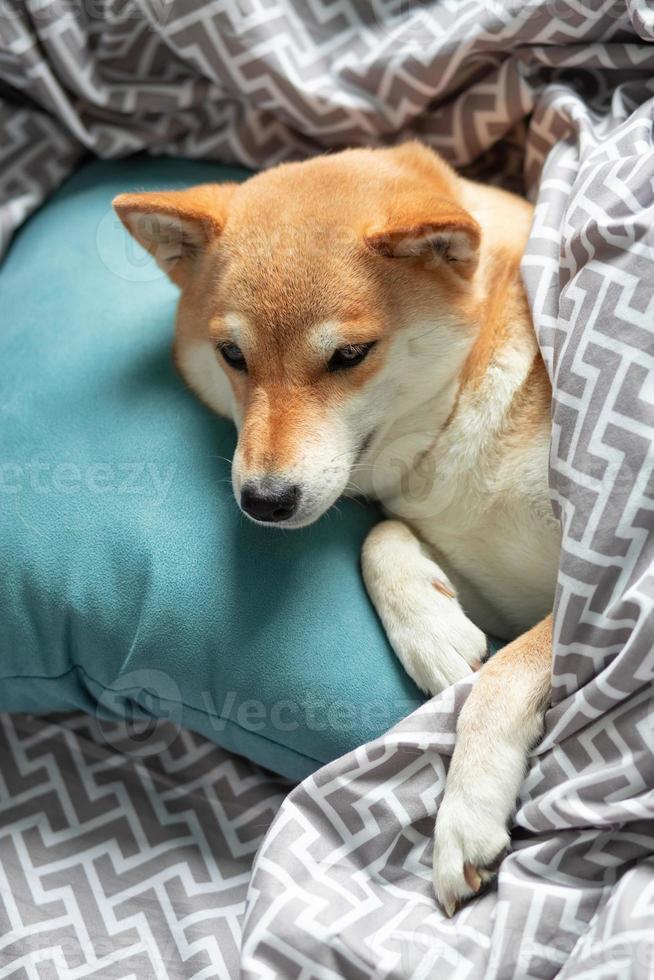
(556, 97)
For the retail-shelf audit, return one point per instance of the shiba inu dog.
(361, 318)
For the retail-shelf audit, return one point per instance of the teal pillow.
(130, 581)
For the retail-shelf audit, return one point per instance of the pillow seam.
(184, 704)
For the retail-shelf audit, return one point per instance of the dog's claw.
(475, 878)
(472, 876)
(467, 853)
(450, 907)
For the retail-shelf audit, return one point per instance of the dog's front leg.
(416, 602)
(500, 722)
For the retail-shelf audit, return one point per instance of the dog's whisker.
(223, 458)
(351, 485)
(358, 501)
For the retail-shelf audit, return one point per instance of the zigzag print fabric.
(552, 96)
(125, 852)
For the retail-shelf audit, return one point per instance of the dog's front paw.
(441, 645)
(469, 843)
(426, 625)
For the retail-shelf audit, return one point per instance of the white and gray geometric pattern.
(552, 96)
(124, 851)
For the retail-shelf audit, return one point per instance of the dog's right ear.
(176, 226)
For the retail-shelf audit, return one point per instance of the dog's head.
(319, 301)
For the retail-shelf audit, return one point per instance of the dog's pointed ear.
(176, 227)
(437, 232)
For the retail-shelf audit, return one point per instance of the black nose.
(270, 502)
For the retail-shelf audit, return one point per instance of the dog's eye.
(350, 356)
(234, 356)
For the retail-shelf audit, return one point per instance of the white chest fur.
(479, 497)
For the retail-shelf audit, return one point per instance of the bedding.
(556, 98)
(125, 849)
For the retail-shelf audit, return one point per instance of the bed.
(191, 862)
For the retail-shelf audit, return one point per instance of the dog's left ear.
(450, 235)
(176, 227)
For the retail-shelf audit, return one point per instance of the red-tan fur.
(392, 247)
